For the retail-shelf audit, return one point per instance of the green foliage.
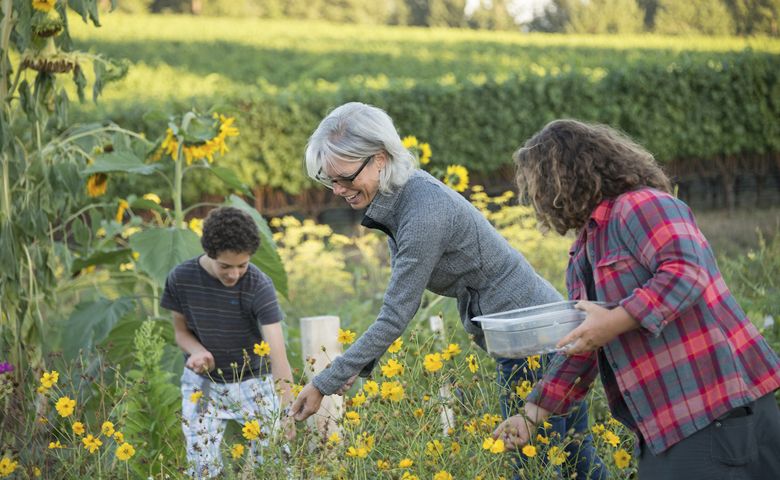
(754, 278)
(475, 95)
(707, 17)
(604, 16)
(152, 407)
(755, 17)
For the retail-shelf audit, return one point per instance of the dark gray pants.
(742, 445)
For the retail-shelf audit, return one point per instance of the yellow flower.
(91, 443)
(442, 475)
(405, 463)
(152, 197)
(48, 379)
(195, 396)
(196, 225)
(36, 472)
(125, 452)
(489, 420)
(236, 451)
(471, 360)
(262, 349)
(296, 389)
(7, 466)
(120, 211)
(556, 455)
(382, 464)
(78, 428)
(43, 5)
(395, 347)
(346, 337)
(622, 458)
(53, 445)
(533, 362)
(334, 438)
(97, 183)
(451, 350)
(359, 452)
(470, 426)
(119, 437)
(433, 362)
(409, 476)
(457, 178)
(529, 451)
(611, 438)
(358, 399)
(371, 388)
(130, 231)
(524, 389)
(392, 390)
(434, 448)
(495, 446)
(598, 429)
(352, 417)
(107, 429)
(455, 448)
(207, 149)
(425, 154)
(542, 439)
(392, 368)
(409, 141)
(418, 413)
(251, 430)
(65, 406)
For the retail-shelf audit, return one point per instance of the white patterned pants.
(204, 421)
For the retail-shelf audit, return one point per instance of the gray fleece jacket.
(439, 241)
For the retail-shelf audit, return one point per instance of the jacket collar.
(381, 213)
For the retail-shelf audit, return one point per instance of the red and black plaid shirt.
(696, 354)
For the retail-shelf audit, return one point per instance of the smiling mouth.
(351, 197)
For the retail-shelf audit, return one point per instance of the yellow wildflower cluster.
(392, 368)
(251, 430)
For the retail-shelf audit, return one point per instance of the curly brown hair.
(229, 229)
(566, 169)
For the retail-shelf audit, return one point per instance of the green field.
(175, 57)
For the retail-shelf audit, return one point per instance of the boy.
(223, 306)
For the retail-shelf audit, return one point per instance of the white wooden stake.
(447, 415)
(320, 346)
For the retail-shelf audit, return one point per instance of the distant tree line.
(674, 17)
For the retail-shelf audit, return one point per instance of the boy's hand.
(201, 362)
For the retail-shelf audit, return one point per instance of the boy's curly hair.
(229, 229)
(567, 169)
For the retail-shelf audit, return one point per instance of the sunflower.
(43, 5)
(457, 177)
(206, 149)
(97, 184)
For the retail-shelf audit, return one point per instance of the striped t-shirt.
(225, 320)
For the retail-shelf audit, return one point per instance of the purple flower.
(6, 367)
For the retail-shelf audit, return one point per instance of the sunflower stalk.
(178, 212)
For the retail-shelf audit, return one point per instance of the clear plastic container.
(529, 331)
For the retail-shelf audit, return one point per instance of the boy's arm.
(200, 360)
(280, 366)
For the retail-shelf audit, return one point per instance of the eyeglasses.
(343, 181)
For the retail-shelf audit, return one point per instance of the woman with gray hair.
(438, 241)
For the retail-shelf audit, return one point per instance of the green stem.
(178, 217)
(5, 199)
(5, 41)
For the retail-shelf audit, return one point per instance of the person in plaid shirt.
(681, 363)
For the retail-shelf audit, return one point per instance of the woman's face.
(357, 190)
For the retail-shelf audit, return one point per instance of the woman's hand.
(306, 403)
(516, 431)
(600, 327)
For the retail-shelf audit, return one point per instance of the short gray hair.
(353, 132)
